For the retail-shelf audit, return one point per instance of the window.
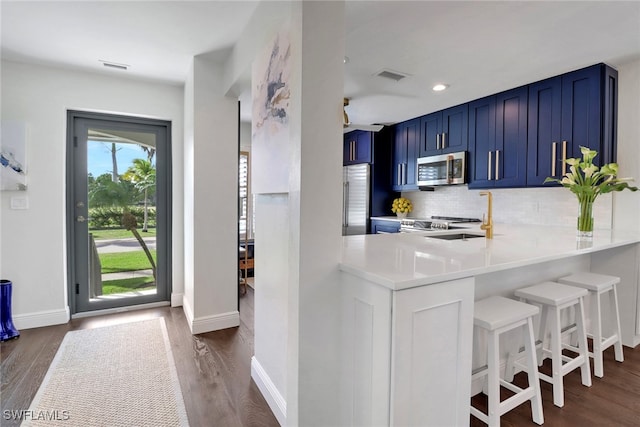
(245, 200)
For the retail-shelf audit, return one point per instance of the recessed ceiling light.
(440, 87)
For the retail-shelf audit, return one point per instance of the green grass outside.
(127, 285)
(126, 261)
(120, 233)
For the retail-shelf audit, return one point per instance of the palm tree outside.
(142, 173)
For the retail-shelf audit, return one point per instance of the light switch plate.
(19, 202)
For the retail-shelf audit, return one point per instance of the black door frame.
(163, 191)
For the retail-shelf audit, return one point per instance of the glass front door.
(119, 208)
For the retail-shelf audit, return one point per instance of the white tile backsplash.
(541, 206)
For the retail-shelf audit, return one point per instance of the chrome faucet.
(487, 224)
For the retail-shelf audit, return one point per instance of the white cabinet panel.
(431, 354)
(367, 353)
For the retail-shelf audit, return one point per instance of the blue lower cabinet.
(384, 226)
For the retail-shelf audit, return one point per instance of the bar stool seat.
(598, 285)
(555, 297)
(498, 315)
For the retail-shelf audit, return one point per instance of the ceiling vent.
(393, 75)
(115, 65)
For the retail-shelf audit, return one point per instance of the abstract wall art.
(271, 95)
(13, 175)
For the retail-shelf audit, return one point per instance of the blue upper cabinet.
(444, 131)
(569, 111)
(405, 155)
(498, 140)
(545, 121)
(511, 138)
(357, 147)
(482, 141)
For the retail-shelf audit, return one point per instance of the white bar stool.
(555, 297)
(598, 285)
(498, 315)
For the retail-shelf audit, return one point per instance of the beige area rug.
(121, 375)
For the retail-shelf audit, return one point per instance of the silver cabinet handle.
(444, 140)
(438, 141)
(564, 157)
(497, 165)
(489, 167)
(398, 174)
(553, 158)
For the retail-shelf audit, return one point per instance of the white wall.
(318, 41)
(211, 194)
(245, 136)
(626, 204)
(271, 303)
(298, 232)
(34, 241)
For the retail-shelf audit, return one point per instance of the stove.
(408, 225)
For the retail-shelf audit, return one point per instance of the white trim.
(269, 391)
(211, 323)
(41, 318)
(215, 322)
(188, 312)
(176, 299)
(119, 309)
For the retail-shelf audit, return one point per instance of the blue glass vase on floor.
(7, 330)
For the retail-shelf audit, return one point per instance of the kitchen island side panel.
(366, 354)
(432, 338)
(623, 262)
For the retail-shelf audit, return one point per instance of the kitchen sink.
(457, 236)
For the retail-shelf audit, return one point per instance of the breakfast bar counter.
(407, 303)
(405, 260)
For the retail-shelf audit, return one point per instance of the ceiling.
(477, 47)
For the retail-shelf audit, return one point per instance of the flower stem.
(585, 220)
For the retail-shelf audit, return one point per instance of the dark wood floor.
(214, 368)
(214, 371)
(611, 401)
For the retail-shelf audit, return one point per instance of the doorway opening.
(118, 211)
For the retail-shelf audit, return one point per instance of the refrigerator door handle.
(346, 204)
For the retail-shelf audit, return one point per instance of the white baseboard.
(215, 322)
(188, 312)
(269, 391)
(176, 299)
(41, 318)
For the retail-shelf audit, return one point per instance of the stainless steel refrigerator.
(355, 199)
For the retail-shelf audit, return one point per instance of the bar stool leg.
(613, 301)
(532, 372)
(596, 325)
(493, 379)
(556, 358)
(585, 368)
(544, 322)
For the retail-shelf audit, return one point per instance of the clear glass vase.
(585, 220)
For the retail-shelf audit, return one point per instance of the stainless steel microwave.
(445, 169)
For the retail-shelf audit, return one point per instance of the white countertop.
(405, 260)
